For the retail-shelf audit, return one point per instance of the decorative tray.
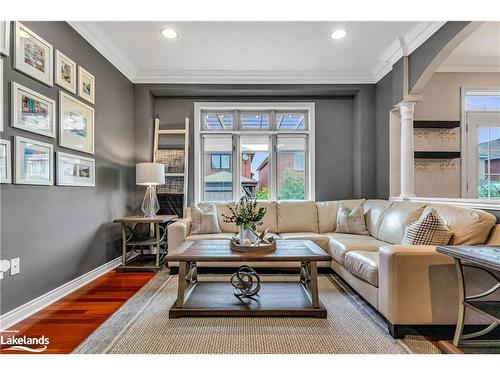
(266, 246)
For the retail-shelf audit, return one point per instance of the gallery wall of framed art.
(33, 55)
(4, 38)
(32, 111)
(65, 118)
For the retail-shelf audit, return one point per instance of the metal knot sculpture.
(246, 282)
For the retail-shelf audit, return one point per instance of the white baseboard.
(22, 312)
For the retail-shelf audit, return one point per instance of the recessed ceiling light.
(338, 34)
(169, 33)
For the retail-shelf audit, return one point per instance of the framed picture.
(4, 37)
(34, 162)
(1, 95)
(86, 85)
(65, 72)
(32, 111)
(5, 162)
(33, 55)
(76, 124)
(74, 170)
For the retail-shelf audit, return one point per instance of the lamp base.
(150, 204)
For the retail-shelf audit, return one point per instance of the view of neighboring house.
(489, 168)
(219, 179)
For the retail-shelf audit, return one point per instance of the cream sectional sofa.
(408, 285)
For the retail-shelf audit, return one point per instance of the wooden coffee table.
(216, 298)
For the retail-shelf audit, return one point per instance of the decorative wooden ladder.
(170, 155)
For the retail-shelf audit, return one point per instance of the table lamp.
(150, 175)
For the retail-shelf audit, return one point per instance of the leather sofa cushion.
(318, 239)
(270, 218)
(397, 218)
(210, 236)
(375, 210)
(363, 264)
(469, 226)
(223, 209)
(297, 216)
(327, 213)
(342, 243)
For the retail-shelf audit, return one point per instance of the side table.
(486, 259)
(157, 236)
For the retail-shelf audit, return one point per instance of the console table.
(486, 259)
(156, 236)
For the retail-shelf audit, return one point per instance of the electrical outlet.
(15, 265)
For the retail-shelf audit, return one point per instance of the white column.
(407, 150)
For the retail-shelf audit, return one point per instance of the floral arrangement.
(245, 214)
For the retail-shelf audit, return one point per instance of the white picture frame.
(74, 170)
(34, 162)
(4, 38)
(33, 55)
(32, 111)
(1, 95)
(65, 74)
(76, 124)
(5, 162)
(86, 85)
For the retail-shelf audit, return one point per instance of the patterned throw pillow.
(204, 220)
(351, 221)
(428, 230)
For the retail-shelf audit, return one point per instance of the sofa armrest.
(177, 233)
(417, 285)
(494, 238)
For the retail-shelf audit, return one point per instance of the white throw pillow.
(351, 221)
(428, 230)
(204, 220)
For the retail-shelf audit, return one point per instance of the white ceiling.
(479, 52)
(254, 52)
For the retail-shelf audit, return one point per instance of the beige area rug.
(142, 326)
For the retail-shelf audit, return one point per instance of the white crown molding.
(254, 76)
(471, 64)
(92, 34)
(22, 312)
(403, 46)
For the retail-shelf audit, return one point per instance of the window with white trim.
(481, 146)
(262, 150)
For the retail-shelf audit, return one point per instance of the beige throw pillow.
(204, 220)
(428, 230)
(351, 221)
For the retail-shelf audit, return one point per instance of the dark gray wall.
(61, 233)
(344, 121)
(420, 59)
(383, 104)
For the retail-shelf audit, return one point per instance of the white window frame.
(466, 174)
(199, 132)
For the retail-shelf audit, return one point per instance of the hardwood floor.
(67, 322)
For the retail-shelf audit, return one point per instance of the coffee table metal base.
(298, 299)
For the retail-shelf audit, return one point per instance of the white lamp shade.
(149, 174)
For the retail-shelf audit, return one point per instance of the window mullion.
(236, 167)
(272, 167)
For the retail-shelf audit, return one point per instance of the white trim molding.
(254, 76)
(24, 311)
(482, 204)
(471, 64)
(404, 46)
(92, 34)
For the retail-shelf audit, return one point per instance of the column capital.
(407, 109)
